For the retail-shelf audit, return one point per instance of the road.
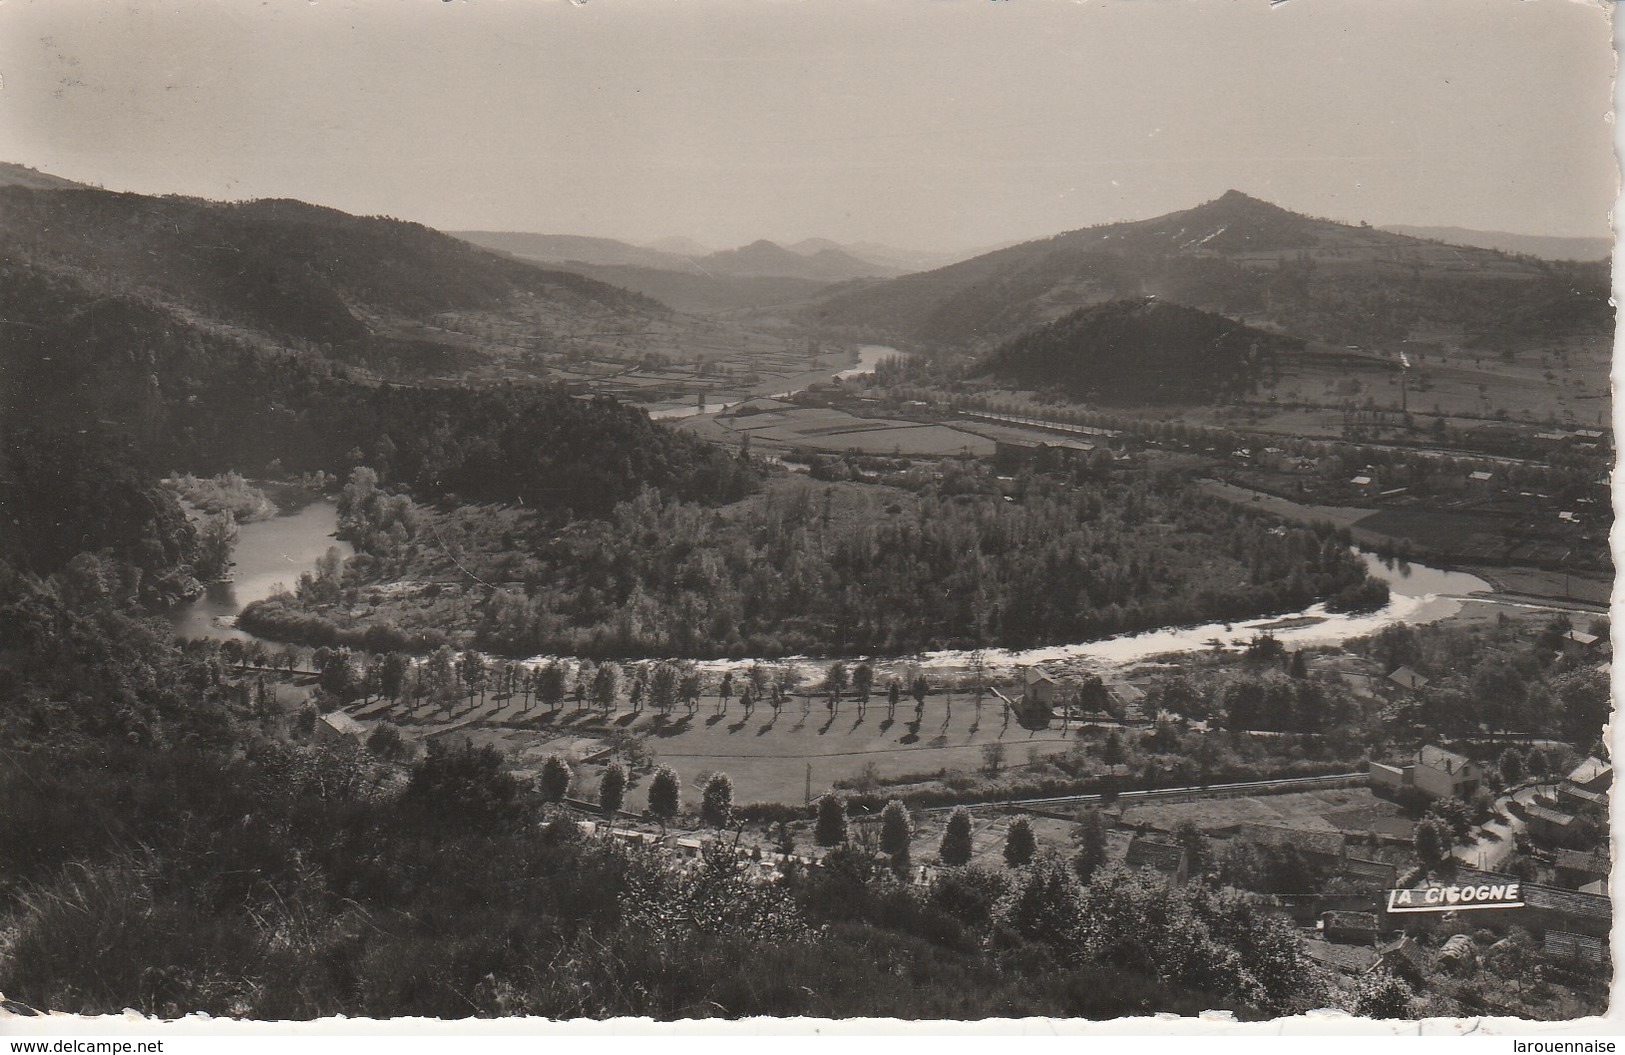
(1241, 788)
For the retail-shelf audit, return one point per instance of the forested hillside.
(1312, 278)
(1139, 351)
(289, 271)
(102, 393)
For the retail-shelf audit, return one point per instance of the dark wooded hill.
(1139, 351)
(140, 335)
(285, 269)
(1312, 278)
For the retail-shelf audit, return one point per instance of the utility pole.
(807, 794)
(1404, 382)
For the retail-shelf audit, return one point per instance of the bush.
(830, 829)
(956, 838)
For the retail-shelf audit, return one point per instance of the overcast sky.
(925, 123)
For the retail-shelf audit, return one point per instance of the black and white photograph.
(717, 510)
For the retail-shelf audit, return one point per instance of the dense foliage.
(294, 270)
(81, 495)
(1143, 351)
(285, 877)
(837, 569)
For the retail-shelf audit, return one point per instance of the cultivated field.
(836, 431)
(767, 755)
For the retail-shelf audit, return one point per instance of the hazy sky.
(923, 123)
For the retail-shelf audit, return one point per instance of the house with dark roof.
(1407, 958)
(1015, 450)
(1408, 679)
(1171, 862)
(1378, 874)
(1576, 870)
(1550, 825)
(1440, 773)
(1572, 797)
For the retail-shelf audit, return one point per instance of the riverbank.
(1584, 591)
(269, 555)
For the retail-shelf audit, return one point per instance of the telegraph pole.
(1404, 382)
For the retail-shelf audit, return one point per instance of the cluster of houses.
(1352, 927)
(1042, 702)
(1553, 815)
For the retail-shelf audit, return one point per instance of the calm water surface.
(269, 555)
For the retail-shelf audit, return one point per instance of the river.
(269, 555)
(273, 552)
(869, 356)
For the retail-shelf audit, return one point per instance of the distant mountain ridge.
(1237, 255)
(1547, 247)
(572, 248)
(814, 260)
(764, 258)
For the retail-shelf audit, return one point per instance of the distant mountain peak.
(1239, 202)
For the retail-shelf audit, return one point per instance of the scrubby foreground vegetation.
(176, 840)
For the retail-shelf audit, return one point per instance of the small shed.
(1349, 928)
(1579, 643)
(1167, 860)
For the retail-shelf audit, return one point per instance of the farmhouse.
(1440, 773)
(1408, 679)
(336, 725)
(1039, 690)
(1546, 910)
